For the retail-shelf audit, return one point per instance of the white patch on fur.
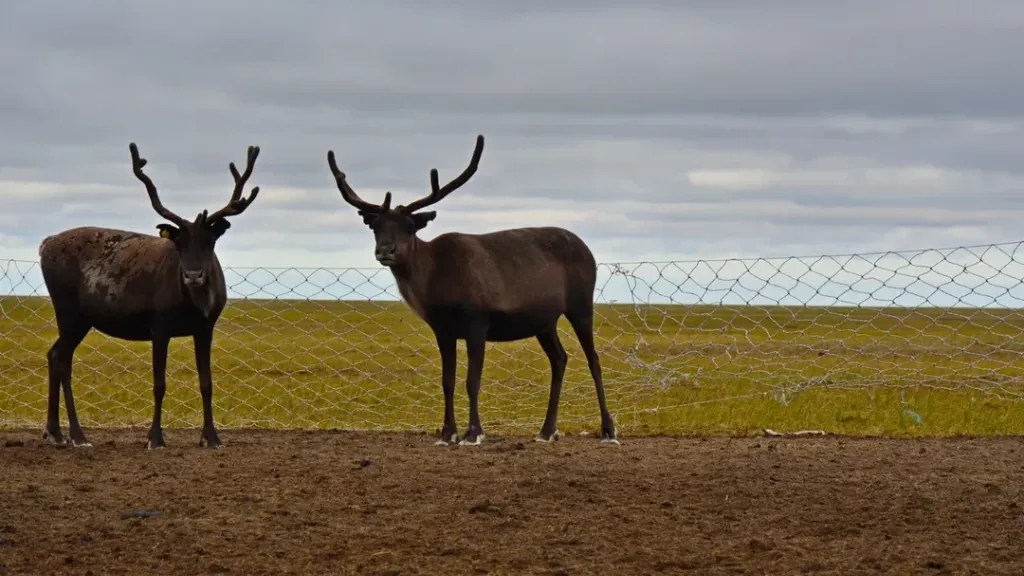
(98, 281)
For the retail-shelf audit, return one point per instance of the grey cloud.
(597, 108)
(910, 57)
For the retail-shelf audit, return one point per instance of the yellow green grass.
(668, 370)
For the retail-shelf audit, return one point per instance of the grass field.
(668, 369)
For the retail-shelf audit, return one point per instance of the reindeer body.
(522, 279)
(140, 288)
(126, 284)
(495, 287)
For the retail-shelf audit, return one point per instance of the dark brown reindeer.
(495, 287)
(140, 288)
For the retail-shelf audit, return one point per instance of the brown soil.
(346, 503)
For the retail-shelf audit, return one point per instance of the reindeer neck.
(413, 277)
(204, 298)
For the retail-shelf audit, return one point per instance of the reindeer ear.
(219, 227)
(167, 231)
(421, 219)
(367, 217)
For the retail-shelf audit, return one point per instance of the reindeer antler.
(236, 205)
(437, 193)
(138, 163)
(350, 195)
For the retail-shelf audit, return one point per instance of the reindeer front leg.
(203, 343)
(476, 343)
(156, 433)
(447, 346)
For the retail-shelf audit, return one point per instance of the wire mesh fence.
(334, 348)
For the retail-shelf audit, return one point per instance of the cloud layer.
(656, 130)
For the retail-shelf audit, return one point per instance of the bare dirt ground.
(346, 503)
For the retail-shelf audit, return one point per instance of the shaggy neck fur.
(203, 297)
(413, 276)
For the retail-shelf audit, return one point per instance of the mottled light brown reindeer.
(495, 287)
(140, 288)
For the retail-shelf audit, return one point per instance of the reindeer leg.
(52, 431)
(583, 324)
(558, 358)
(203, 343)
(156, 433)
(71, 330)
(70, 339)
(447, 346)
(476, 344)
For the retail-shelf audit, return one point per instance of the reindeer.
(139, 288)
(496, 287)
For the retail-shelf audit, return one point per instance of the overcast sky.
(654, 129)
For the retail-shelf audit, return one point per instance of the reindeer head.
(394, 229)
(195, 240)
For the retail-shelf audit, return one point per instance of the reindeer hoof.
(155, 441)
(210, 444)
(452, 438)
(55, 438)
(552, 438)
(472, 440)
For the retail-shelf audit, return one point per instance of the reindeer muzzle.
(193, 278)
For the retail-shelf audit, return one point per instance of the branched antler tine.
(437, 193)
(236, 205)
(347, 192)
(240, 180)
(138, 163)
